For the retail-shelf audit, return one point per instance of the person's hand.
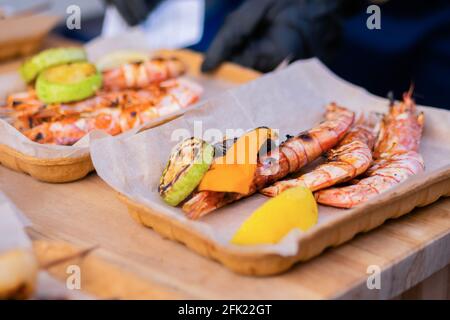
(262, 33)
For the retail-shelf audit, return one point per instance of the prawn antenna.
(411, 90)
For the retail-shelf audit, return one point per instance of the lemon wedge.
(118, 58)
(293, 208)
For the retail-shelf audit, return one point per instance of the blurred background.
(412, 46)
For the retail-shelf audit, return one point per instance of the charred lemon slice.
(48, 58)
(188, 163)
(68, 82)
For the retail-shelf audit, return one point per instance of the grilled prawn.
(396, 158)
(111, 112)
(351, 157)
(142, 74)
(289, 157)
(64, 132)
(383, 175)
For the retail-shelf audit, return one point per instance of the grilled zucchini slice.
(49, 58)
(68, 82)
(188, 163)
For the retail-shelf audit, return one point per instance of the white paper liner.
(290, 100)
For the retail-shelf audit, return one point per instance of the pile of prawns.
(380, 153)
(132, 95)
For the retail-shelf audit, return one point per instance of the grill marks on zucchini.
(188, 163)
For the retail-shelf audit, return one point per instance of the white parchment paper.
(12, 223)
(290, 100)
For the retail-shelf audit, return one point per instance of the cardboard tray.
(340, 226)
(330, 234)
(70, 169)
(49, 170)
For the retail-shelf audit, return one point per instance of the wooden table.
(407, 250)
(413, 252)
(49, 42)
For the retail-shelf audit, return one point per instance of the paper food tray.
(59, 164)
(290, 100)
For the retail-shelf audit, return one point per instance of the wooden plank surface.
(88, 213)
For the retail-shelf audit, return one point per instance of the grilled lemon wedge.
(293, 208)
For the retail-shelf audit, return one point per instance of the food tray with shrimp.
(47, 126)
(321, 161)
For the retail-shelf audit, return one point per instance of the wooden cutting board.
(143, 264)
